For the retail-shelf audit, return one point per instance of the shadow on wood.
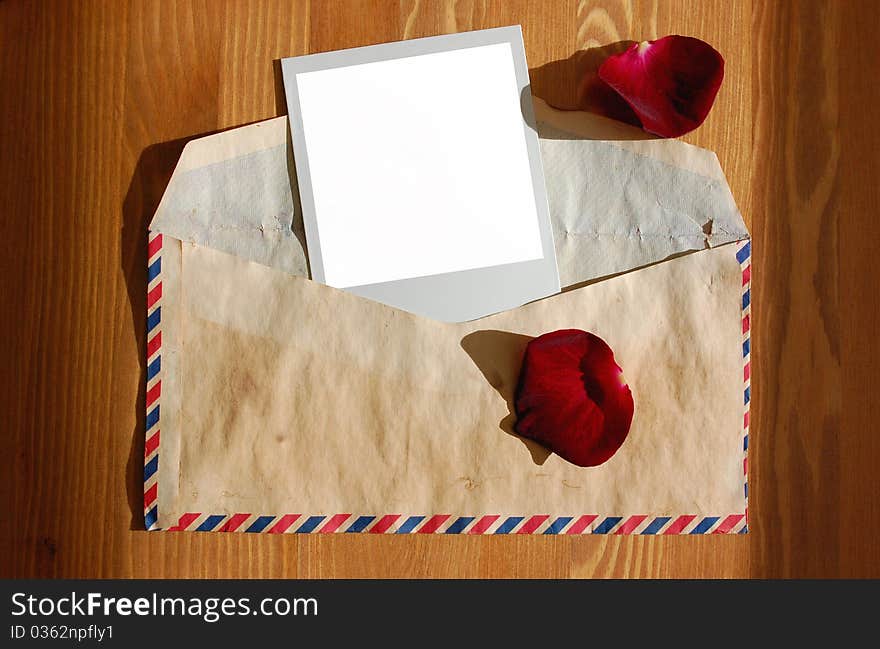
(151, 176)
(574, 84)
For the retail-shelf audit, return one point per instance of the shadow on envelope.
(498, 355)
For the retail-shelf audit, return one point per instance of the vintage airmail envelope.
(279, 405)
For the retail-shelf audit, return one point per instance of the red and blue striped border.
(154, 380)
(744, 256)
(639, 524)
(448, 524)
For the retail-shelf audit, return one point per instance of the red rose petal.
(670, 83)
(572, 398)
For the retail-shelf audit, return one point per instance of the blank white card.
(419, 166)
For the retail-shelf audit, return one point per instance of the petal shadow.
(498, 355)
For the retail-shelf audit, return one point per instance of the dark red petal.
(670, 83)
(572, 398)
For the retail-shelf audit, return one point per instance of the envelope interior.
(614, 205)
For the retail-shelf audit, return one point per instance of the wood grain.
(797, 444)
(99, 98)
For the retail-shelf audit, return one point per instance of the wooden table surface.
(96, 101)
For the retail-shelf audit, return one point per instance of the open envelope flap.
(235, 191)
(289, 406)
(614, 205)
